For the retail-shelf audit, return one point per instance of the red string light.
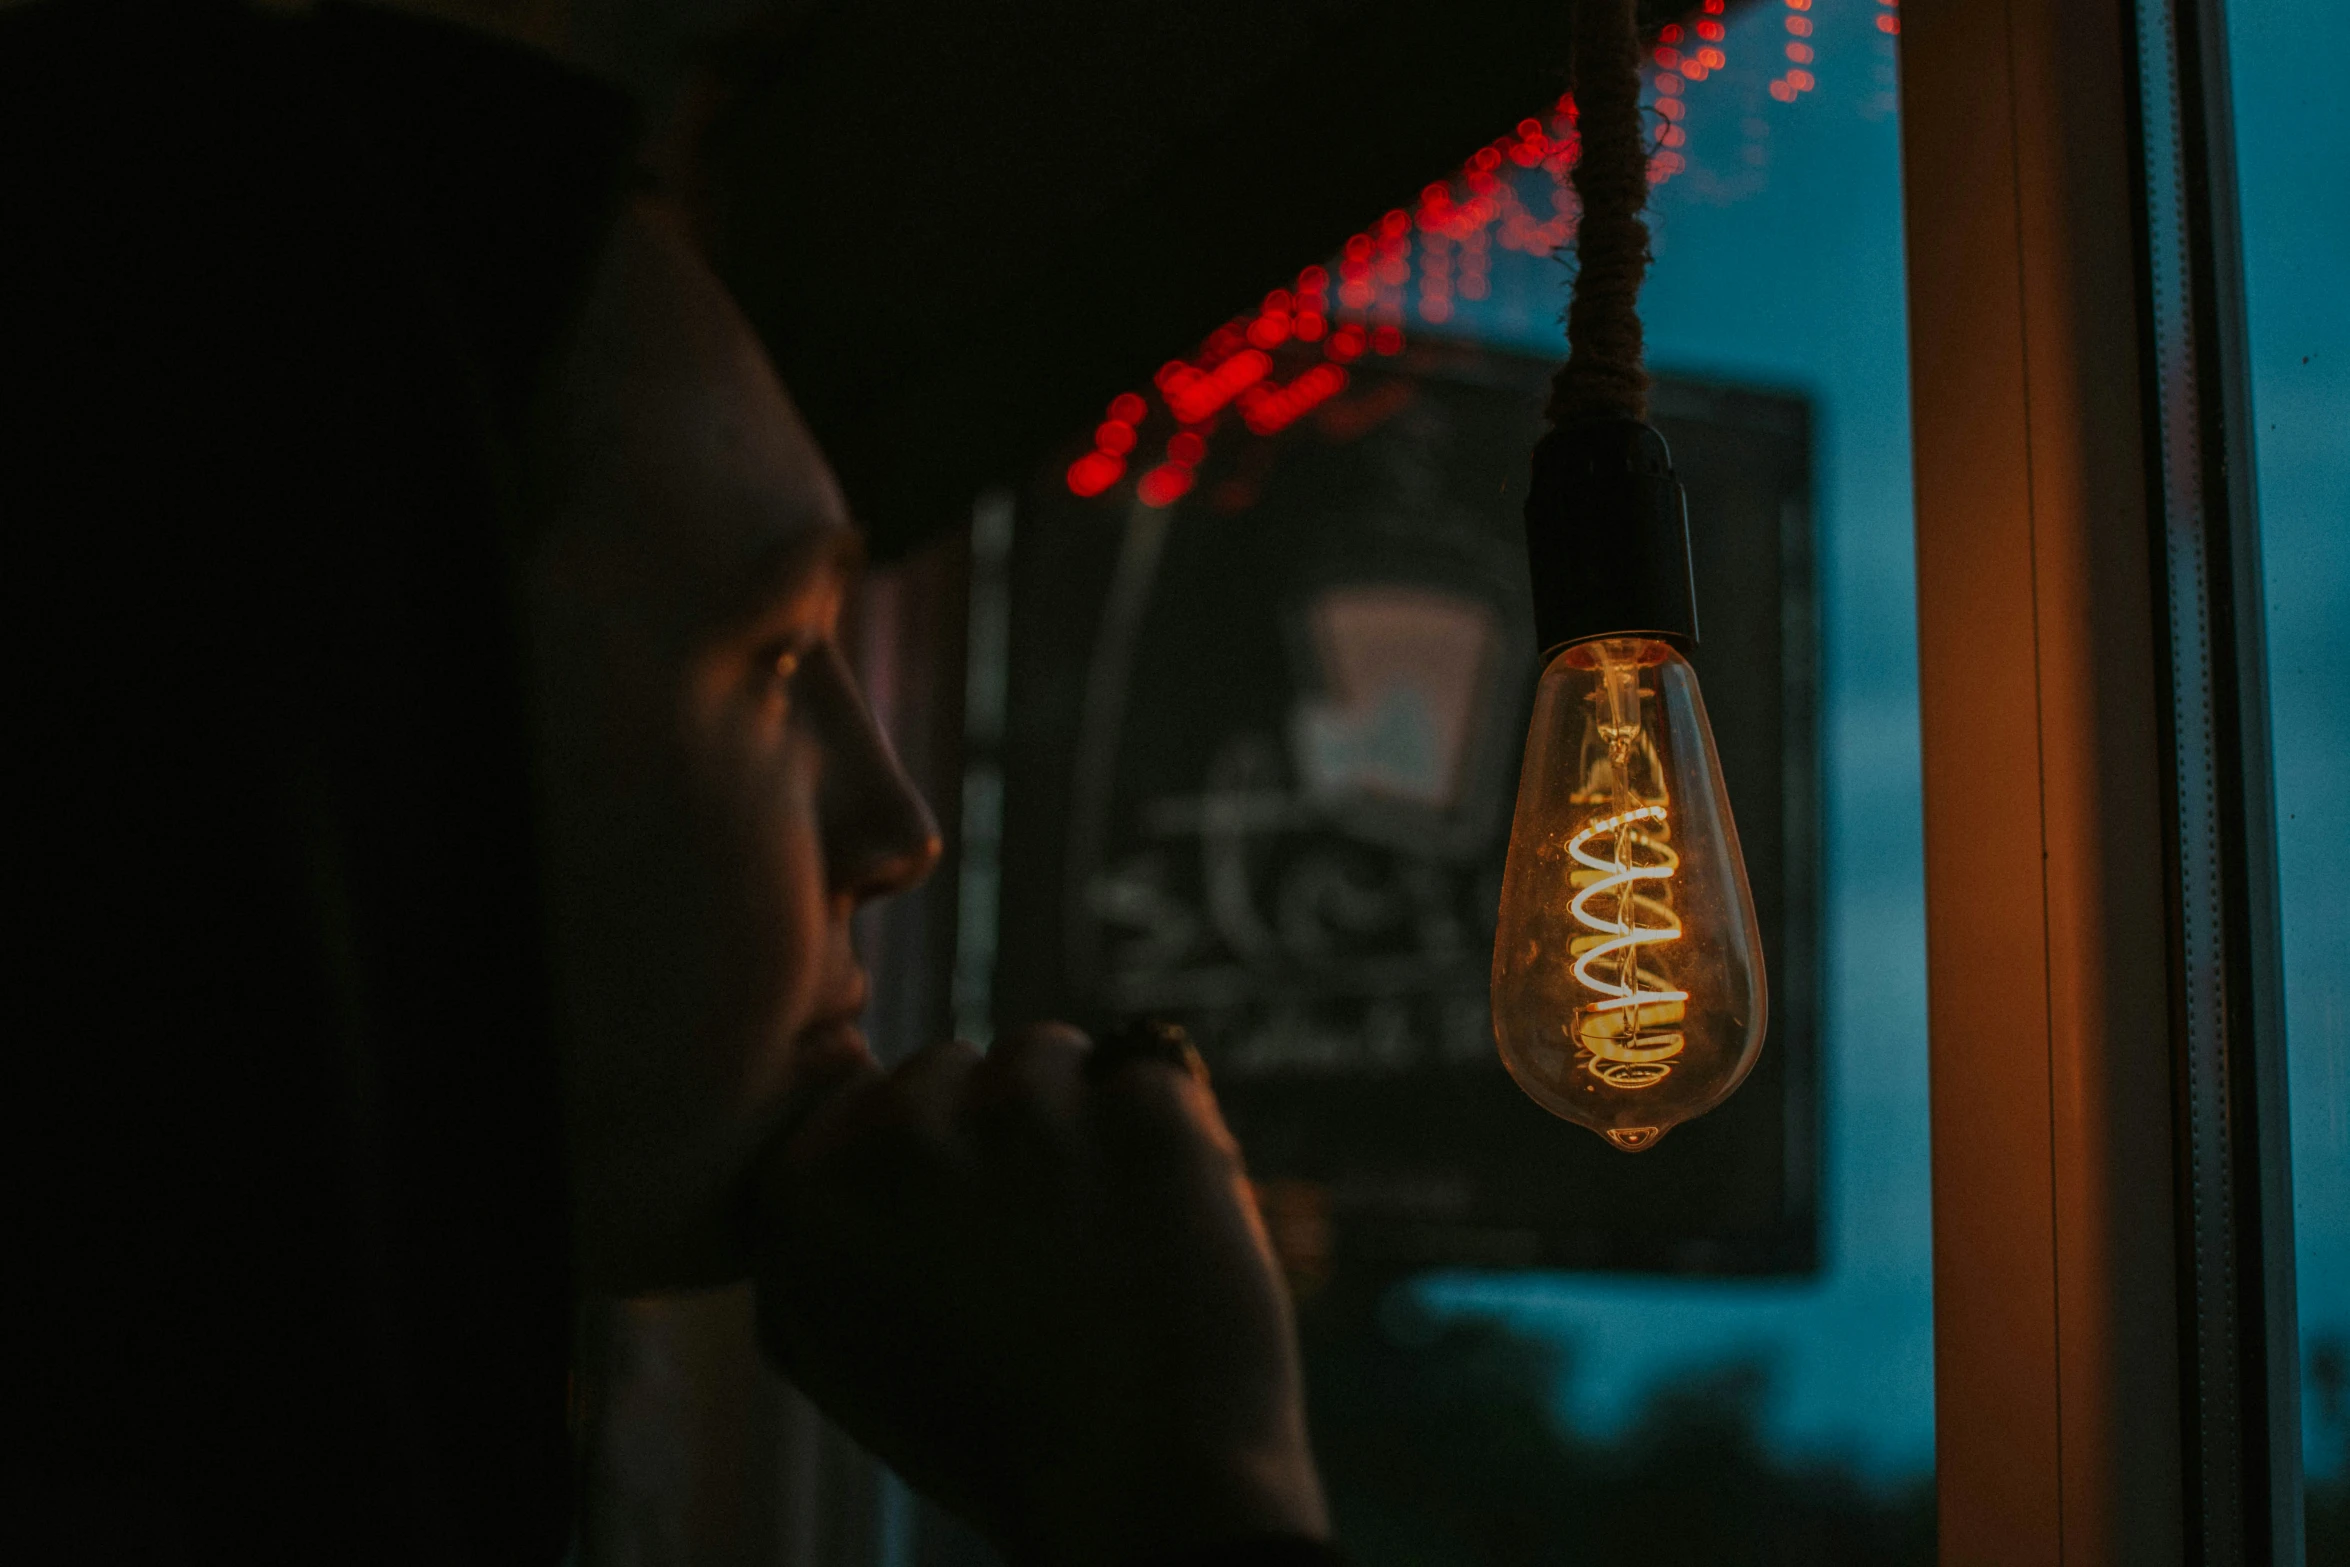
(1444, 241)
(1095, 472)
(1266, 410)
(1164, 485)
(1794, 82)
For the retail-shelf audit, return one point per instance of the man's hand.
(1047, 1300)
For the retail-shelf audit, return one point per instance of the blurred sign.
(1259, 755)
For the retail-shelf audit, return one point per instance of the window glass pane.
(1266, 678)
(2292, 144)
(1779, 263)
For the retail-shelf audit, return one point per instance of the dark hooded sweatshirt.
(275, 300)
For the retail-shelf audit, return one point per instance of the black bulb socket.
(1607, 537)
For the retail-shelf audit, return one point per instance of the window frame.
(2115, 1351)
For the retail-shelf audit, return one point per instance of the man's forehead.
(798, 560)
(678, 444)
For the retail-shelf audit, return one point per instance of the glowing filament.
(1626, 1049)
(1627, 967)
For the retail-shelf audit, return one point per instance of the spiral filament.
(1621, 1034)
(1627, 965)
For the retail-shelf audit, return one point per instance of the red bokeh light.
(1095, 472)
(1164, 485)
(1459, 222)
(1193, 394)
(1268, 409)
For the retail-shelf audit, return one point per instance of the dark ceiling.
(962, 227)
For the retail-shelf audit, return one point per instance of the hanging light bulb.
(1628, 991)
(1627, 970)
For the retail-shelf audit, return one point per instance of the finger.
(1040, 1067)
(829, 1082)
(930, 1087)
(832, 1093)
(1146, 1042)
(867, 1115)
(1159, 1110)
(916, 1097)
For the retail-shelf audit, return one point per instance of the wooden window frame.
(2114, 1344)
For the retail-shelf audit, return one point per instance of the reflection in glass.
(1779, 262)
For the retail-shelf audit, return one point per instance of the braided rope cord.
(1603, 374)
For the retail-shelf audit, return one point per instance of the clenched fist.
(1044, 1295)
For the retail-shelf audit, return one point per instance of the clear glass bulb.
(1627, 967)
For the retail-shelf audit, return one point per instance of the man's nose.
(879, 835)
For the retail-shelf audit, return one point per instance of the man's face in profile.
(716, 799)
